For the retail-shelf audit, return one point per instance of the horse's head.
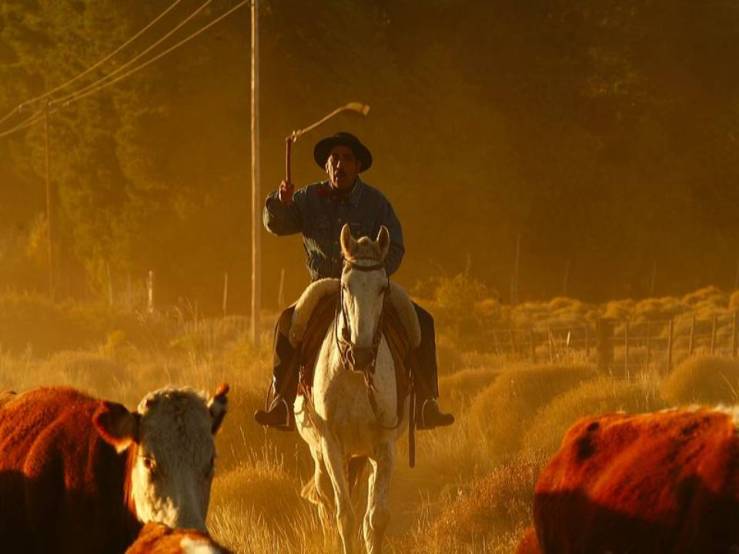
(364, 285)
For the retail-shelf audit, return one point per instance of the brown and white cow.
(666, 482)
(156, 538)
(79, 474)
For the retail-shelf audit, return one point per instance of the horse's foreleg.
(377, 516)
(325, 493)
(319, 491)
(333, 457)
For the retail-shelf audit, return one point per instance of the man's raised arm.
(282, 214)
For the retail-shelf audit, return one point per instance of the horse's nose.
(362, 357)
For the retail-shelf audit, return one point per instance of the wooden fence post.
(514, 349)
(495, 342)
(626, 349)
(281, 290)
(733, 335)
(109, 283)
(568, 341)
(225, 294)
(691, 342)
(533, 346)
(604, 344)
(150, 292)
(649, 344)
(550, 338)
(713, 334)
(669, 345)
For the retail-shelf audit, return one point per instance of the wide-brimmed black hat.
(324, 146)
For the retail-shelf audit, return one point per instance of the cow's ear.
(116, 425)
(218, 406)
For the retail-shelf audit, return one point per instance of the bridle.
(348, 350)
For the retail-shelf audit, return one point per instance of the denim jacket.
(319, 215)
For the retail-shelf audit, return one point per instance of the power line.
(32, 120)
(77, 77)
(122, 67)
(136, 69)
(39, 115)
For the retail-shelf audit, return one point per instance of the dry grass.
(500, 414)
(703, 380)
(600, 396)
(485, 515)
(472, 486)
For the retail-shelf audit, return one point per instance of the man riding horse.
(318, 212)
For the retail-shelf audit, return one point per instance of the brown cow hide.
(61, 486)
(156, 538)
(643, 484)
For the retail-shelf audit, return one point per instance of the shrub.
(595, 397)
(501, 412)
(458, 389)
(704, 380)
(87, 370)
(491, 510)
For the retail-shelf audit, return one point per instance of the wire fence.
(623, 344)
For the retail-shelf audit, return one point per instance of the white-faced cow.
(663, 483)
(156, 538)
(81, 475)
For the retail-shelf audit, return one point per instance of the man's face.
(342, 167)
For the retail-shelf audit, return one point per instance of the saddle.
(398, 337)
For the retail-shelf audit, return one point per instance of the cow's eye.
(151, 466)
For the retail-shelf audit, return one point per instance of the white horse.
(353, 409)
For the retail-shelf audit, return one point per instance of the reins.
(346, 347)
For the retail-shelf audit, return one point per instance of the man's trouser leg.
(284, 377)
(425, 375)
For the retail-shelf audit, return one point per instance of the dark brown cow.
(156, 538)
(78, 475)
(644, 484)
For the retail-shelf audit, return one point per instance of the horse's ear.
(347, 241)
(383, 241)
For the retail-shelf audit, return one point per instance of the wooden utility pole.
(256, 254)
(49, 202)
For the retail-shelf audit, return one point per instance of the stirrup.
(279, 416)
